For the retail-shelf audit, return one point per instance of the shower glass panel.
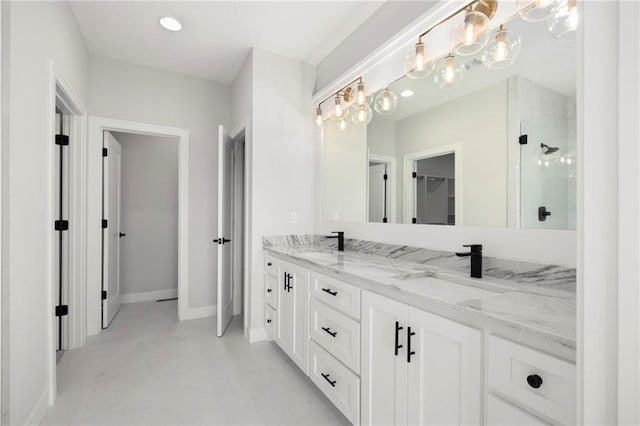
(548, 169)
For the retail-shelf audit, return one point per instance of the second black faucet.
(476, 259)
(340, 238)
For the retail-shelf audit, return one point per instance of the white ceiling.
(542, 59)
(217, 35)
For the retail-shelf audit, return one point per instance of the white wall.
(281, 152)
(149, 209)
(40, 33)
(135, 93)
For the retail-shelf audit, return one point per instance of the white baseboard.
(202, 312)
(39, 410)
(256, 334)
(150, 295)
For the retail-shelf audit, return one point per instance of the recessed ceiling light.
(171, 24)
(406, 93)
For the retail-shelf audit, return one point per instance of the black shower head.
(546, 149)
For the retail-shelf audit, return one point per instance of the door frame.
(61, 94)
(409, 190)
(97, 125)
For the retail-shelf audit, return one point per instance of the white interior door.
(225, 210)
(112, 190)
(376, 192)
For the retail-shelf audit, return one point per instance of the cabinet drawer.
(269, 321)
(270, 266)
(340, 295)
(336, 381)
(335, 332)
(539, 382)
(502, 413)
(270, 290)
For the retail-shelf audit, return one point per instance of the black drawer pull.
(397, 346)
(269, 263)
(331, 382)
(409, 351)
(534, 381)
(268, 290)
(328, 331)
(328, 290)
(268, 321)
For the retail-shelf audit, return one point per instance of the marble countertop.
(535, 307)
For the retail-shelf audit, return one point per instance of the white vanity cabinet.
(418, 368)
(292, 315)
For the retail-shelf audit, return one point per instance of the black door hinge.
(105, 152)
(105, 223)
(414, 175)
(414, 220)
(61, 225)
(385, 176)
(522, 140)
(62, 310)
(104, 294)
(62, 140)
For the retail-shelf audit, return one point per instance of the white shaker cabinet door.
(444, 371)
(383, 368)
(299, 315)
(284, 333)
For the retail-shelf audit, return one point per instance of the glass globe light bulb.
(418, 64)
(564, 20)
(503, 50)
(536, 10)
(362, 115)
(339, 109)
(471, 35)
(361, 94)
(319, 116)
(386, 102)
(343, 124)
(449, 73)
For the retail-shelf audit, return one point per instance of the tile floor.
(150, 369)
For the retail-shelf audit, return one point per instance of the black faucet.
(476, 259)
(340, 238)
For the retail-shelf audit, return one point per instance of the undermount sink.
(443, 289)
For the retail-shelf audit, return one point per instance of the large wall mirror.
(468, 145)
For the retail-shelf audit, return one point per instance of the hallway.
(148, 368)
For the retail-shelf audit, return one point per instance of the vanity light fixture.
(385, 102)
(536, 10)
(503, 50)
(362, 97)
(449, 73)
(564, 20)
(406, 93)
(419, 64)
(319, 116)
(339, 110)
(345, 102)
(170, 23)
(471, 35)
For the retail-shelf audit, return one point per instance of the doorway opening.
(232, 226)
(140, 210)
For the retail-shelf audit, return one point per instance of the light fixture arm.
(339, 92)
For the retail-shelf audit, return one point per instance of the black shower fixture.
(546, 149)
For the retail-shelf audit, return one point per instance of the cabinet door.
(383, 368)
(284, 334)
(299, 315)
(444, 373)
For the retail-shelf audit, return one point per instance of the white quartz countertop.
(534, 314)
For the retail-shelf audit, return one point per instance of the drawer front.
(336, 333)
(270, 290)
(502, 413)
(270, 265)
(269, 321)
(337, 294)
(538, 381)
(336, 381)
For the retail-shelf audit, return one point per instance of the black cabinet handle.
(268, 290)
(122, 235)
(534, 381)
(221, 241)
(289, 276)
(268, 321)
(285, 281)
(268, 263)
(397, 346)
(328, 331)
(331, 382)
(409, 351)
(328, 290)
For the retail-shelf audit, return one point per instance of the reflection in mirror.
(498, 149)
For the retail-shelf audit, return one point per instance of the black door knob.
(122, 235)
(534, 381)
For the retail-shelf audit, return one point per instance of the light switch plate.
(294, 217)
